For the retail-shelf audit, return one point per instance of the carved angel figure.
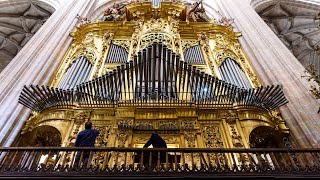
(115, 13)
(196, 12)
(82, 20)
(225, 21)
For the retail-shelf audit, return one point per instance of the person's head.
(88, 125)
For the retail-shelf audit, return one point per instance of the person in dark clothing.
(157, 142)
(85, 138)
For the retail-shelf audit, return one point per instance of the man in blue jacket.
(85, 138)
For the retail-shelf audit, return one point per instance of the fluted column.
(35, 64)
(275, 64)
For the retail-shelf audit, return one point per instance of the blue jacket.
(86, 138)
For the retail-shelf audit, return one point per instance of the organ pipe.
(155, 73)
(232, 73)
(117, 54)
(77, 73)
(193, 55)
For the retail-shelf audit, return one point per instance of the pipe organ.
(193, 55)
(154, 83)
(117, 54)
(156, 3)
(78, 72)
(231, 72)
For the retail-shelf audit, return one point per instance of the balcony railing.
(173, 162)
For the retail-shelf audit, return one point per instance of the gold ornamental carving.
(230, 117)
(190, 137)
(134, 26)
(212, 136)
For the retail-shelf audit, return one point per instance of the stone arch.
(19, 21)
(296, 23)
(44, 135)
(265, 137)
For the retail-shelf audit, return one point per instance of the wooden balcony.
(33, 162)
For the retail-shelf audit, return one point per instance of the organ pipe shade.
(77, 73)
(117, 54)
(193, 55)
(231, 72)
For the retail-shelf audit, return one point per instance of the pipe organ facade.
(78, 72)
(157, 68)
(232, 73)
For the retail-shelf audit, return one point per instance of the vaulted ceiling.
(297, 26)
(19, 21)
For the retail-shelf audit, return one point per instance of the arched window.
(78, 72)
(231, 72)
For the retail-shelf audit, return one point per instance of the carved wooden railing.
(49, 161)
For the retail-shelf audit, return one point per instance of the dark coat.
(86, 138)
(156, 141)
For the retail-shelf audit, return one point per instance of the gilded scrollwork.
(122, 137)
(190, 137)
(212, 136)
(186, 44)
(106, 41)
(188, 124)
(135, 38)
(123, 43)
(155, 37)
(144, 125)
(235, 137)
(168, 125)
(204, 43)
(230, 117)
(102, 138)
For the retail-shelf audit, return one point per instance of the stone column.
(36, 63)
(275, 64)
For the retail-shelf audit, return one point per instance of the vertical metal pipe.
(231, 72)
(173, 60)
(82, 73)
(131, 89)
(152, 50)
(112, 52)
(225, 72)
(135, 58)
(87, 74)
(63, 80)
(237, 72)
(163, 62)
(168, 59)
(143, 70)
(73, 72)
(79, 73)
(71, 69)
(158, 68)
(73, 77)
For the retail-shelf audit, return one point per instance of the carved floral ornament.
(230, 117)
